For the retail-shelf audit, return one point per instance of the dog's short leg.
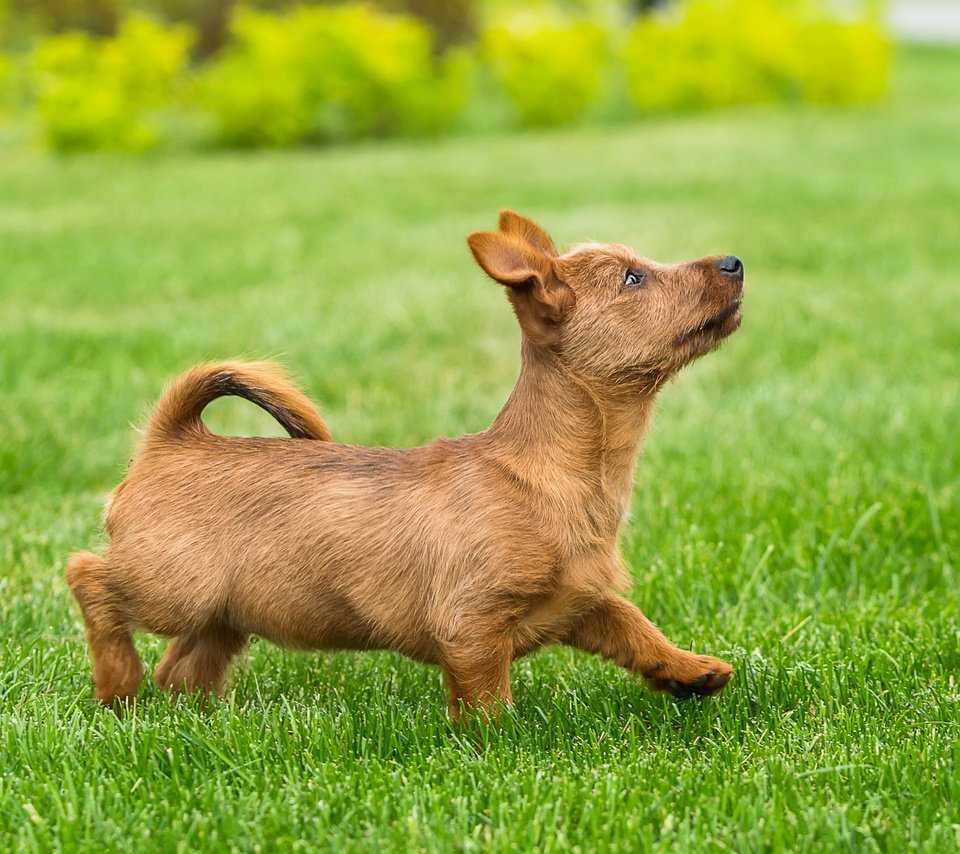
(117, 670)
(477, 676)
(199, 661)
(617, 629)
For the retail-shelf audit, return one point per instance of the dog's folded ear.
(526, 229)
(540, 299)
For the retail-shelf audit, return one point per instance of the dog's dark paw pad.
(710, 683)
(721, 680)
(703, 685)
(700, 681)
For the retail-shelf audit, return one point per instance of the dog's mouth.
(717, 327)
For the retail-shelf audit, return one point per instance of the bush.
(549, 68)
(709, 53)
(102, 94)
(6, 86)
(340, 71)
(324, 73)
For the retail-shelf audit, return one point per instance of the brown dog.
(465, 552)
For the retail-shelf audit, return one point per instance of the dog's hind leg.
(199, 661)
(117, 670)
(616, 629)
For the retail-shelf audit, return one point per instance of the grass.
(796, 508)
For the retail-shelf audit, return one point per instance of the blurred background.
(139, 74)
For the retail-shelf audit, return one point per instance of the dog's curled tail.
(177, 413)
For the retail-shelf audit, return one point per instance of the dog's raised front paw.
(699, 674)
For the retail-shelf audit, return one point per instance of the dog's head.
(611, 315)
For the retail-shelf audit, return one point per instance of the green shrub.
(323, 73)
(6, 86)
(352, 70)
(708, 53)
(550, 68)
(103, 93)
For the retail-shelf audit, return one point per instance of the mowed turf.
(796, 507)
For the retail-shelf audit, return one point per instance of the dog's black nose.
(731, 265)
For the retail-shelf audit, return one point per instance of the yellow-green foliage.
(351, 70)
(550, 68)
(6, 96)
(707, 53)
(323, 73)
(101, 93)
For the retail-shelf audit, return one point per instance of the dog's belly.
(320, 622)
(322, 617)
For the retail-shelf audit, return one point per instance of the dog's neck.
(568, 440)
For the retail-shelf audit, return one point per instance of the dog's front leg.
(617, 629)
(476, 669)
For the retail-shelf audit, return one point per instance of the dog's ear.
(540, 299)
(526, 229)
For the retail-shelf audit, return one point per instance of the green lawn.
(796, 508)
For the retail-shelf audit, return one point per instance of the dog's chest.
(578, 585)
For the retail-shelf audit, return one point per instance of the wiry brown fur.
(465, 552)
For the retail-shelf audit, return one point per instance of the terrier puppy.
(464, 553)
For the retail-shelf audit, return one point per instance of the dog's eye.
(633, 278)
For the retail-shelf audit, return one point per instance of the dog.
(465, 553)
